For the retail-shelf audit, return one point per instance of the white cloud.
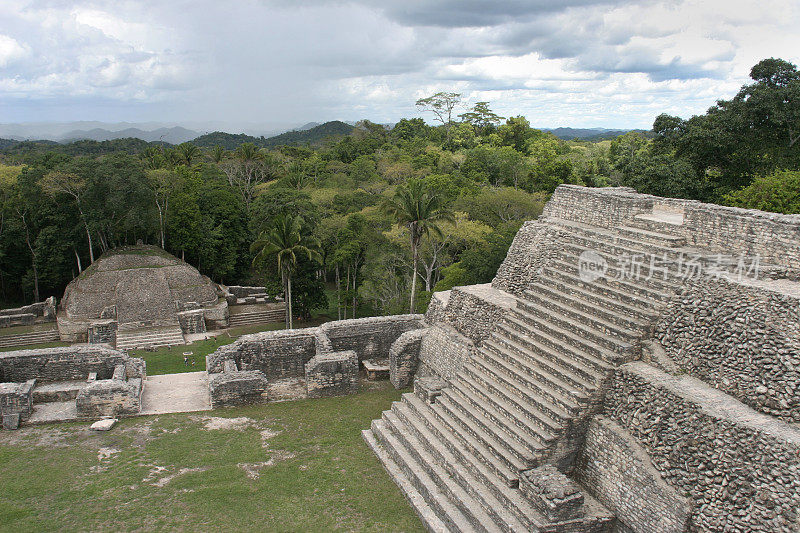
(580, 63)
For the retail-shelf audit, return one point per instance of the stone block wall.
(404, 357)
(533, 245)
(17, 399)
(277, 354)
(110, 397)
(60, 364)
(243, 292)
(740, 468)
(729, 230)
(332, 374)
(475, 311)
(236, 388)
(46, 310)
(743, 338)
(443, 352)
(192, 321)
(369, 337)
(104, 332)
(615, 469)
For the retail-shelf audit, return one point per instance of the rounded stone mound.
(141, 285)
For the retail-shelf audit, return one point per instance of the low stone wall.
(741, 469)
(332, 374)
(743, 338)
(404, 357)
(443, 352)
(67, 363)
(110, 397)
(45, 309)
(236, 388)
(369, 337)
(618, 472)
(216, 316)
(16, 399)
(277, 354)
(240, 291)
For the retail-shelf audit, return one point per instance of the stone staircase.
(525, 395)
(151, 337)
(256, 317)
(27, 339)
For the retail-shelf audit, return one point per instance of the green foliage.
(778, 192)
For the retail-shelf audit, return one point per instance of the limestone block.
(236, 388)
(332, 374)
(103, 425)
(429, 388)
(404, 357)
(110, 397)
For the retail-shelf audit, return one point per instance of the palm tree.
(420, 211)
(286, 240)
(187, 152)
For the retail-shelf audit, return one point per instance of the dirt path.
(176, 393)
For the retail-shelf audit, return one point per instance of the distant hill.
(7, 143)
(175, 135)
(84, 147)
(588, 134)
(312, 135)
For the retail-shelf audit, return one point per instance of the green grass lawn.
(309, 470)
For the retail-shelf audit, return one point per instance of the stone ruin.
(633, 366)
(140, 296)
(314, 362)
(75, 382)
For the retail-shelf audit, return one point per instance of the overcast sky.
(581, 63)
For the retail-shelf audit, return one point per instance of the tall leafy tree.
(286, 240)
(442, 105)
(421, 211)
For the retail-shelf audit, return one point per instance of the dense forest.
(357, 209)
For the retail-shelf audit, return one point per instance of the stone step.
(428, 516)
(605, 320)
(477, 422)
(479, 387)
(507, 506)
(260, 317)
(533, 386)
(25, 339)
(507, 471)
(612, 241)
(531, 438)
(618, 271)
(588, 303)
(603, 294)
(556, 337)
(470, 508)
(519, 359)
(585, 333)
(666, 223)
(530, 354)
(433, 496)
(643, 234)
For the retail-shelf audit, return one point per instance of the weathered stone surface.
(103, 425)
(444, 351)
(332, 374)
(369, 337)
(618, 471)
(552, 493)
(17, 399)
(192, 321)
(740, 468)
(110, 397)
(67, 363)
(742, 337)
(145, 286)
(236, 388)
(102, 332)
(404, 357)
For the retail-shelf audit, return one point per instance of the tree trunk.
(289, 284)
(88, 234)
(355, 273)
(413, 276)
(78, 259)
(33, 261)
(338, 295)
(286, 309)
